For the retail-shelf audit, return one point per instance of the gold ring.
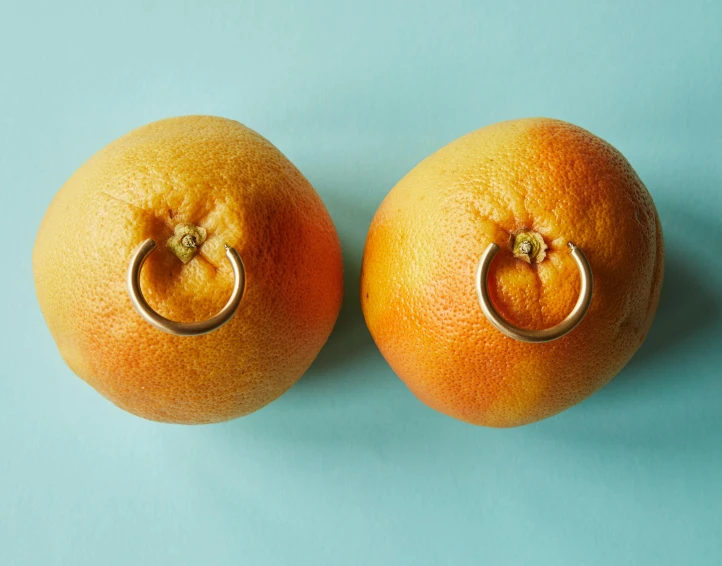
(548, 334)
(180, 328)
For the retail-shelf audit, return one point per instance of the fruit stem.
(529, 246)
(185, 241)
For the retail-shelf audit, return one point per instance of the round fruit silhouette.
(219, 183)
(532, 187)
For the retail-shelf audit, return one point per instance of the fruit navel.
(185, 241)
(529, 246)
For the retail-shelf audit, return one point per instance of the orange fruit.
(218, 175)
(539, 176)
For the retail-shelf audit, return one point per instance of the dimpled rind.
(425, 241)
(219, 175)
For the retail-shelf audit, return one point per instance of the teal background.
(348, 467)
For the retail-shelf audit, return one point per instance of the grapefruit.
(531, 186)
(225, 184)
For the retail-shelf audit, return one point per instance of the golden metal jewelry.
(180, 328)
(548, 334)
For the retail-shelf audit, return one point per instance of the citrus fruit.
(530, 186)
(222, 183)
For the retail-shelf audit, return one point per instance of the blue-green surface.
(348, 468)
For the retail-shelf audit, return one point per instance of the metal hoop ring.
(180, 328)
(548, 334)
